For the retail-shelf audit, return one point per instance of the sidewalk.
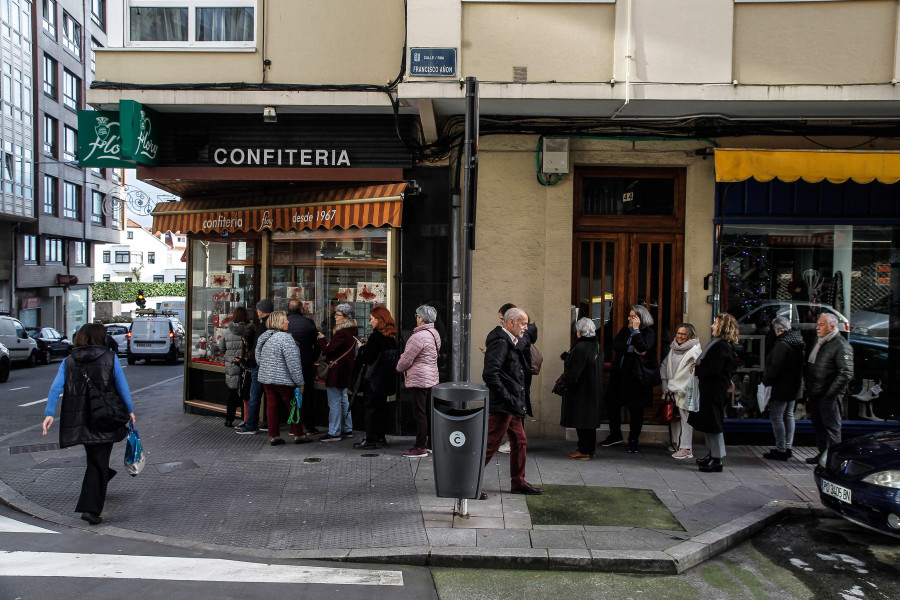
(208, 488)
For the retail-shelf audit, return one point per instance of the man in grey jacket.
(829, 370)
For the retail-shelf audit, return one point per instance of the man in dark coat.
(583, 376)
(304, 332)
(829, 370)
(504, 375)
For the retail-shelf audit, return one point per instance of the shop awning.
(344, 207)
(837, 166)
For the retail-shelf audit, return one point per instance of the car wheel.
(131, 360)
(32, 360)
(4, 370)
(45, 357)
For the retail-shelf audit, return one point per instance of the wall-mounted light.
(269, 114)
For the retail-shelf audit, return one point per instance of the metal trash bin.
(459, 438)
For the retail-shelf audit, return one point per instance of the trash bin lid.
(459, 391)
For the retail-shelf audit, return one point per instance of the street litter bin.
(459, 438)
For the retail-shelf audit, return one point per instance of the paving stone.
(451, 537)
(500, 538)
(546, 538)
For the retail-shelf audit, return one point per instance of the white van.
(155, 335)
(21, 347)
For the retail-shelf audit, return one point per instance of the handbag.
(559, 388)
(245, 382)
(134, 452)
(107, 410)
(323, 366)
(537, 359)
(668, 410)
(648, 374)
(763, 395)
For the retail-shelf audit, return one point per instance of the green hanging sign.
(100, 140)
(124, 139)
(139, 133)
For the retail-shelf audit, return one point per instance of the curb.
(674, 560)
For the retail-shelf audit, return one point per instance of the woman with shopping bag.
(676, 379)
(90, 364)
(280, 373)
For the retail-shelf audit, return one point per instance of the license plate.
(143, 344)
(836, 491)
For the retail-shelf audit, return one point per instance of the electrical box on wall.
(555, 152)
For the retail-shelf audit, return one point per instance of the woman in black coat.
(713, 370)
(635, 350)
(583, 376)
(378, 358)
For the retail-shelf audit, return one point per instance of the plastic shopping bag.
(296, 403)
(692, 396)
(135, 457)
(763, 394)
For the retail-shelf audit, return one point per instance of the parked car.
(156, 336)
(802, 315)
(50, 343)
(859, 479)
(4, 364)
(18, 343)
(119, 332)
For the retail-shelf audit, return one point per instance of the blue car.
(859, 479)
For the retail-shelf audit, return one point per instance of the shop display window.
(326, 268)
(224, 276)
(802, 272)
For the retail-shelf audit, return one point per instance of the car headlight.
(823, 459)
(890, 479)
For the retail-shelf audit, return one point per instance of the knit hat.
(265, 305)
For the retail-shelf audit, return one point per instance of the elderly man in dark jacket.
(305, 334)
(504, 374)
(829, 370)
(784, 374)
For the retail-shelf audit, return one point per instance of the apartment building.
(692, 157)
(72, 207)
(140, 256)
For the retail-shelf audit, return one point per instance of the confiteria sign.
(281, 157)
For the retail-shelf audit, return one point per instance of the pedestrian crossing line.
(33, 403)
(176, 568)
(8, 525)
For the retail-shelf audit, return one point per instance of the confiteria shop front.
(312, 214)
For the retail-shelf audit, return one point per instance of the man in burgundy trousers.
(504, 375)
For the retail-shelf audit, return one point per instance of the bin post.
(459, 428)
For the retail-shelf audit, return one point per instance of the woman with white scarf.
(676, 377)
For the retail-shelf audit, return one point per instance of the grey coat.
(279, 359)
(234, 348)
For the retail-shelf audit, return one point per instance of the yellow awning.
(837, 166)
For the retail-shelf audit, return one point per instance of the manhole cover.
(369, 455)
(312, 460)
(175, 466)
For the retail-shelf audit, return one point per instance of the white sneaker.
(504, 448)
(683, 453)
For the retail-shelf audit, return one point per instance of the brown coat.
(341, 341)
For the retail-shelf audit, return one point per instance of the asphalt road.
(23, 396)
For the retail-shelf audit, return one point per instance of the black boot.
(713, 466)
(705, 460)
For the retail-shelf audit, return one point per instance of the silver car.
(119, 332)
(5, 364)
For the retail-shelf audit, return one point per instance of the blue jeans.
(782, 416)
(256, 393)
(339, 420)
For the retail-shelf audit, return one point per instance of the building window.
(97, 208)
(98, 13)
(51, 195)
(71, 201)
(80, 253)
(106, 256)
(71, 34)
(50, 135)
(94, 45)
(180, 278)
(123, 258)
(70, 144)
(151, 258)
(130, 235)
(71, 90)
(159, 279)
(191, 22)
(128, 280)
(106, 278)
(50, 77)
(29, 250)
(53, 250)
(50, 17)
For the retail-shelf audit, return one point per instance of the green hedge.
(127, 291)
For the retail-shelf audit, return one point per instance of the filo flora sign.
(124, 139)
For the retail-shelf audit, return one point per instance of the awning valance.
(837, 166)
(358, 206)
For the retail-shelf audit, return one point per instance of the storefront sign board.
(139, 133)
(100, 140)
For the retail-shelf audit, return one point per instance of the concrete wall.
(524, 245)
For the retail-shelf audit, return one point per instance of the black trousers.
(587, 440)
(232, 404)
(96, 478)
(421, 405)
(375, 409)
(635, 419)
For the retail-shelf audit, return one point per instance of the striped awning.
(837, 166)
(340, 207)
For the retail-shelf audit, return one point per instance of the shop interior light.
(269, 114)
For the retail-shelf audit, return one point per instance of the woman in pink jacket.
(418, 363)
